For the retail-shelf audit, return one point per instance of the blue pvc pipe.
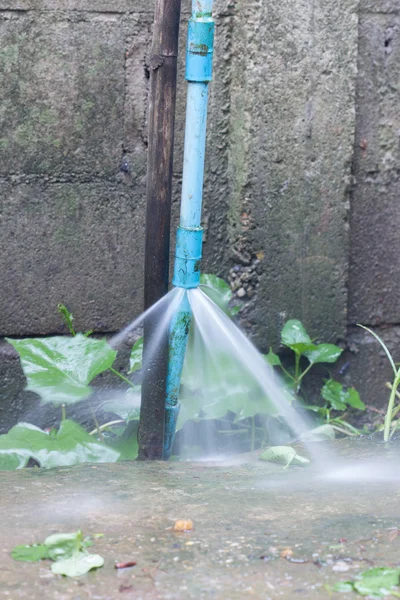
(194, 152)
(199, 54)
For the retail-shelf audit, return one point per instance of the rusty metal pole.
(163, 75)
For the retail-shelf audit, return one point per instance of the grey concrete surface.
(247, 517)
(375, 219)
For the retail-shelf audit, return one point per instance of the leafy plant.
(67, 550)
(336, 396)
(285, 455)
(59, 369)
(389, 425)
(378, 583)
(70, 445)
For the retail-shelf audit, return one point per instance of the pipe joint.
(200, 48)
(187, 257)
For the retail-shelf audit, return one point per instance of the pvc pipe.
(199, 54)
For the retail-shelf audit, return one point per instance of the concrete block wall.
(374, 281)
(302, 169)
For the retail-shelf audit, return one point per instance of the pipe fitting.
(199, 52)
(187, 257)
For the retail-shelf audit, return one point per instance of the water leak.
(225, 383)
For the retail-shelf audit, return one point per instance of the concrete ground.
(259, 531)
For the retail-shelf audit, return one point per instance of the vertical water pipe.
(162, 98)
(199, 54)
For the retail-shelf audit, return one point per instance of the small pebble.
(340, 567)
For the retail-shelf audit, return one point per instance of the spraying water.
(225, 380)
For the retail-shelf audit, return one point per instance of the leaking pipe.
(162, 99)
(199, 54)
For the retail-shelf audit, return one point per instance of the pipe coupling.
(187, 257)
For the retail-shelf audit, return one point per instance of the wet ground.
(259, 531)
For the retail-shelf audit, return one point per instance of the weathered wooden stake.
(163, 70)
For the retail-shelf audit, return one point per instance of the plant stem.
(305, 372)
(389, 414)
(122, 377)
(297, 371)
(63, 412)
(106, 425)
(287, 373)
(345, 431)
(397, 409)
(101, 437)
(253, 434)
(345, 424)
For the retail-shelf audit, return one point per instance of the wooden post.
(163, 70)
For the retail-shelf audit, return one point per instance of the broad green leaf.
(323, 353)
(127, 443)
(32, 553)
(70, 445)
(284, 455)
(272, 359)
(378, 582)
(301, 348)
(296, 337)
(10, 461)
(319, 434)
(59, 369)
(353, 399)
(79, 564)
(219, 292)
(332, 392)
(136, 357)
(339, 397)
(343, 586)
(64, 545)
(126, 406)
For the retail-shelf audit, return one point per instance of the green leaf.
(64, 545)
(127, 443)
(136, 357)
(343, 586)
(219, 292)
(296, 337)
(339, 397)
(353, 399)
(10, 461)
(59, 369)
(70, 445)
(272, 359)
(378, 582)
(284, 455)
(319, 434)
(32, 553)
(323, 353)
(79, 564)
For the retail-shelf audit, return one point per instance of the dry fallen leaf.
(183, 525)
(125, 565)
(286, 553)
